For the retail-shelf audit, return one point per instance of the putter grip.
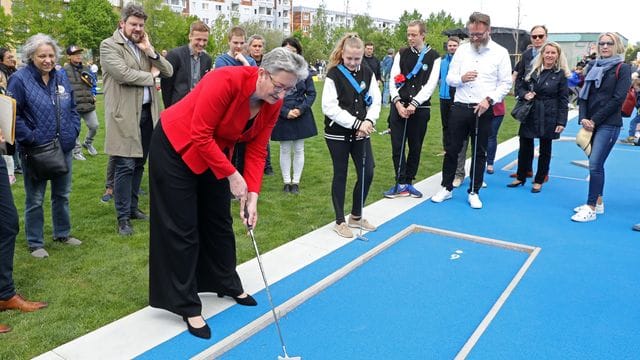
(246, 216)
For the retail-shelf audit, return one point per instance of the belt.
(465, 105)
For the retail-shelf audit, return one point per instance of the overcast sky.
(557, 15)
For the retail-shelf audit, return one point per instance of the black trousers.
(525, 159)
(9, 228)
(192, 245)
(415, 133)
(340, 151)
(461, 126)
(445, 116)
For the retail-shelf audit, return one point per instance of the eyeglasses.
(608, 43)
(278, 88)
(538, 36)
(477, 35)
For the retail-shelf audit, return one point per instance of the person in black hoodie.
(351, 105)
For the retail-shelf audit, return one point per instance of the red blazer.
(206, 124)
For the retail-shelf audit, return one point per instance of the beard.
(480, 44)
(133, 37)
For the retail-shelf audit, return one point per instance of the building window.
(205, 6)
(219, 7)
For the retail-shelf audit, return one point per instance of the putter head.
(289, 358)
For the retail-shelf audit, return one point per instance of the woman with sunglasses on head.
(295, 124)
(192, 245)
(605, 87)
(545, 85)
(351, 105)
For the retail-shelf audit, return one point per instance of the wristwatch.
(489, 100)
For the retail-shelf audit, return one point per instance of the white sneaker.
(584, 215)
(599, 208)
(474, 201)
(484, 184)
(79, 156)
(441, 195)
(457, 182)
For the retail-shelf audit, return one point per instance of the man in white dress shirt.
(481, 73)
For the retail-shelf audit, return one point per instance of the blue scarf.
(595, 73)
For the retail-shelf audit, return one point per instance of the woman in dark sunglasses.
(605, 87)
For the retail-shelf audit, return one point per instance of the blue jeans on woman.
(492, 143)
(34, 213)
(633, 124)
(604, 137)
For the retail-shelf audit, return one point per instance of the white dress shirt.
(494, 73)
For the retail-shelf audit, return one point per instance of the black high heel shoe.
(536, 189)
(201, 332)
(516, 183)
(246, 301)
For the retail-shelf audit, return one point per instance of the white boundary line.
(266, 319)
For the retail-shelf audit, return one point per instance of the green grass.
(106, 278)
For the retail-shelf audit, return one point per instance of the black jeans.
(9, 228)
(525, 159)
(461, 126)
(128, 171)
(416, 129)
(340, 151)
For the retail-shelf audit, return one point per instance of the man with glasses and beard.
(130, 65)
(523, 67)
(481, 73)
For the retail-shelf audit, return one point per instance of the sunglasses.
(538, 36)
(608, 43)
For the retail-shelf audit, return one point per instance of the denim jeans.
(111, 169)
(34, 198)
(604, 137)
(9, 228)
(386, 97)
(633, 124)
(492, 143)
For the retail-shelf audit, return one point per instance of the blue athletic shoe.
(413, 192)
(399, 190)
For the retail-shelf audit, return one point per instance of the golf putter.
(266, 287)
(364, 162)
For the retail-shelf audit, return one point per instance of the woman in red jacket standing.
(192, 245)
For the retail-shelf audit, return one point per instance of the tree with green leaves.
(436, 24)
(6, 34)
(36, 16)
(218, 42)
(167, 29)
(87, 22)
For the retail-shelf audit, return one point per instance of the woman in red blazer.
(192, 180)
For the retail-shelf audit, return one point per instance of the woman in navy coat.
(295, 124)
(605, 87)
(546, 85)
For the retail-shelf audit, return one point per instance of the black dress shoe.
(201, 332)
(139, 215)
(516, 183)
(536, 188)
(295, 189)
(124, 228)
(246, 301)
(286, 188)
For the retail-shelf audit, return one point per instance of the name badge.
(425, 67)
(363, 85)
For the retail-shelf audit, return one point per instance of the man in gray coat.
(130, 65)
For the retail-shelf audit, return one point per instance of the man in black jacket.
(190, 63)
(82, 82)
(372, 62)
